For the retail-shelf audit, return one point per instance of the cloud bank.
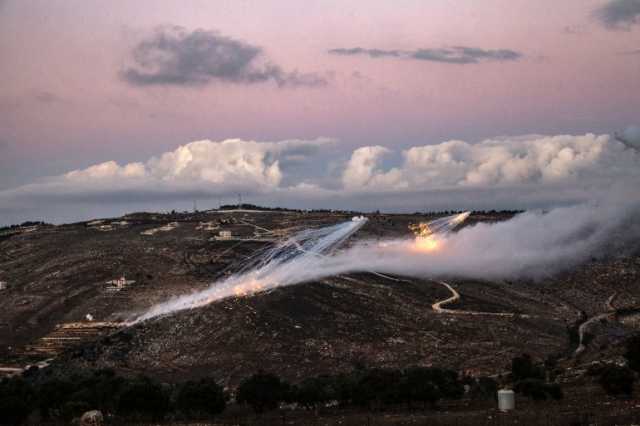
(217, 167)
(508, 172)
(537, 160)
(175, 56)
(619, 14)
(630, 137)
(452, 55)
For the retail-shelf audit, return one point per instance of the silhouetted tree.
(378, 386)
(522, 367)
(52, 395)
(484, 388)
(16, 400)
(617, 380)
(418, 386)
(538, 390)
(262, 391)
(200, 399)
(315, 391)
(143, 398)
(632, 353)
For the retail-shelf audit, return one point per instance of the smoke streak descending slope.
(531, 245)
(277, 267)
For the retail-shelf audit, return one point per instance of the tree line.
(54, 396)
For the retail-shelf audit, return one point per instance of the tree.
(316, 390)
(345, 385)
(379, 386)
(418, 386)
(67, 397)
(522, 368)
(52, 395)
(632, 353)
(16, 399)
(617, 380)
(262, 391)
(143, 398)
(200, 399)
(538, 390)
(484, 388)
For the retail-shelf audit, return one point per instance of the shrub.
(73, 409)
(538, 390)
(522, 368)
(617, 380)
(484, 388)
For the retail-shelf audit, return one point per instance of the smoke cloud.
(531, 246)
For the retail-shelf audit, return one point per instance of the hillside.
(57, 275)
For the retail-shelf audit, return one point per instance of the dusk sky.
(364, 104)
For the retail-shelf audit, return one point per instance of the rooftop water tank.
(506, 400)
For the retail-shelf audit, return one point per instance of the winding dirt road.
(582, 330)
(455, 296)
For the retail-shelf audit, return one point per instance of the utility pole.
(239, 200)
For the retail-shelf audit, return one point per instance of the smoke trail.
(276, 267)
(530, 245)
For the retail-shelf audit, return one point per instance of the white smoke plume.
(531, 245)
(270, 270)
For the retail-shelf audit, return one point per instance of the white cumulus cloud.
(529, 160)
(507, 172)
(219, 166)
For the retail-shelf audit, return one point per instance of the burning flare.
(430, 235)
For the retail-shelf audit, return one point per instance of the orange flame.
(425, 240)
(247, 289)
(429, 243)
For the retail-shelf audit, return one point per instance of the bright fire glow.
(248, 288)
(430, 236)
(429, 243)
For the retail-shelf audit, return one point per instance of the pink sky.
(63, 105)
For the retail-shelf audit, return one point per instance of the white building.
(118, 284)
(224, 235)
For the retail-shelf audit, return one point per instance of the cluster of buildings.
(100, 225)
